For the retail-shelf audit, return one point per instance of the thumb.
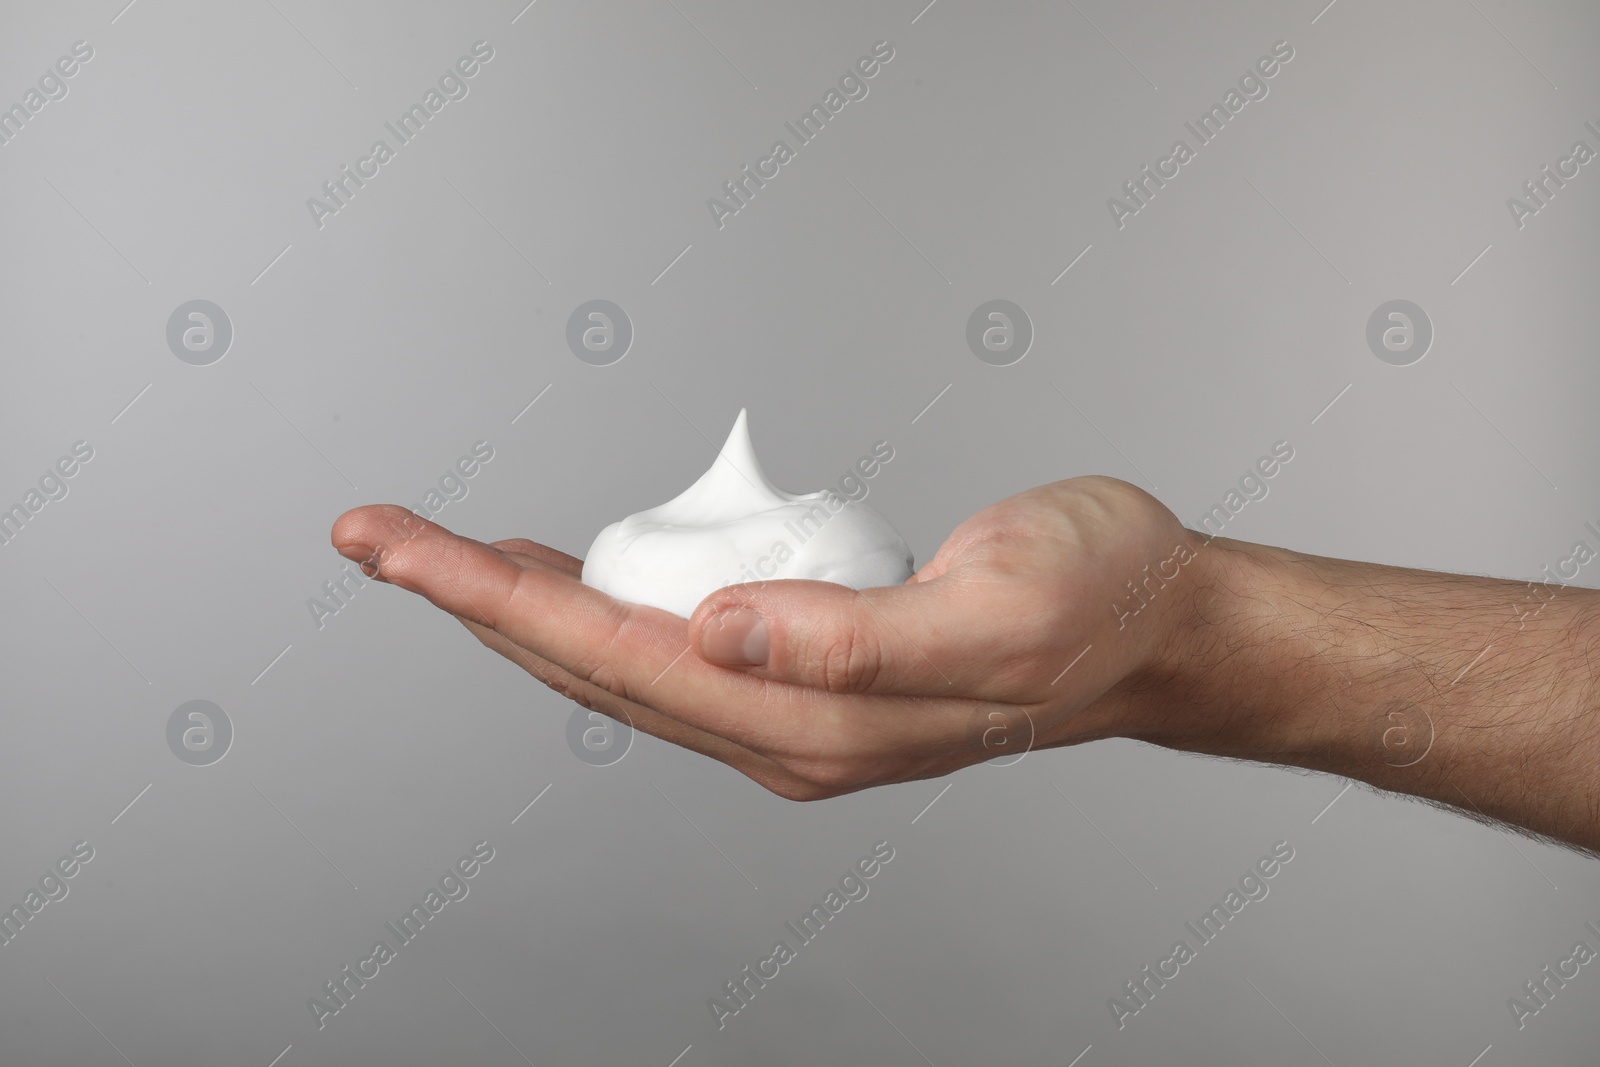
(904, 640)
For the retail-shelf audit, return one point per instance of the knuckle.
(602, 668)
(561, 684)
(517, 544)
(565, 685)
(849, 662)
(584, 698)
(589, 697)
(603, 675)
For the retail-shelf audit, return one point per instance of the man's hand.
(1071, 612)
(1023, 631)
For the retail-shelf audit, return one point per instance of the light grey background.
(371, 353)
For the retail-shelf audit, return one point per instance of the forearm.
(1476, 692)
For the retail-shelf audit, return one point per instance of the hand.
(813, 689)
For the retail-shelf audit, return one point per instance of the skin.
(1245, 651)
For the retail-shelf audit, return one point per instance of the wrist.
(1475, 692)
(1236, 619)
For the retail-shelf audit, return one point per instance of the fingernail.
(365, 557)
(735, 638)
